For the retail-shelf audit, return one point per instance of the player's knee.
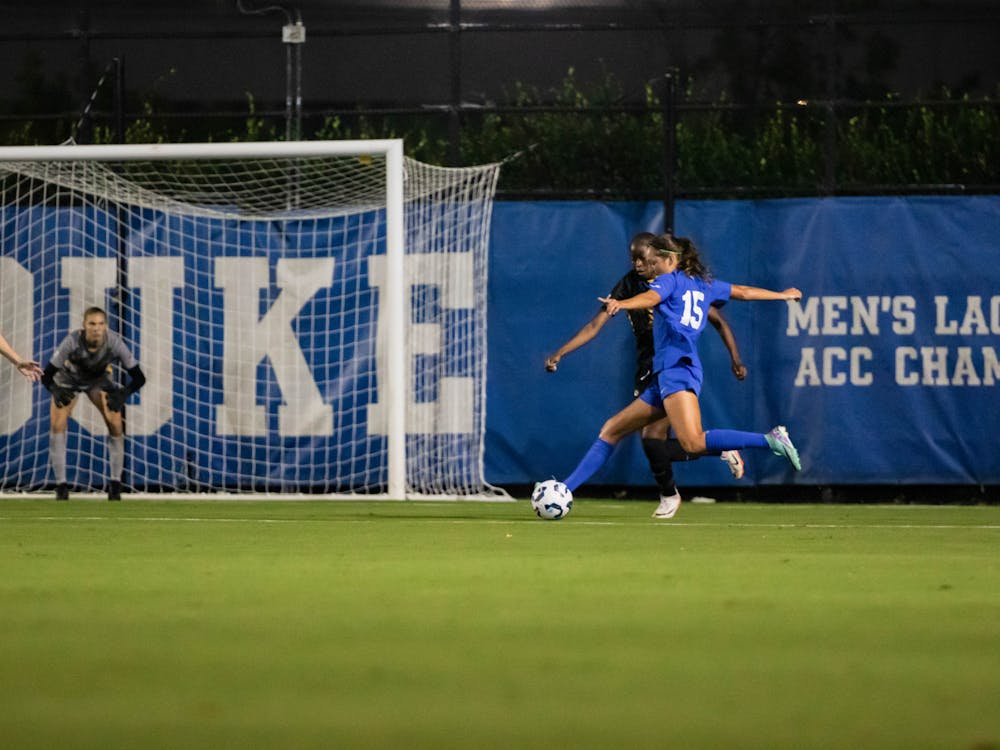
(610, 432)
(655, 431)
(691, 443)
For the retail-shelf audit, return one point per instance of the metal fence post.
(455, 68)
(118, 101)
(669, 105)
(830, 131)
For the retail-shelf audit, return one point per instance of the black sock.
(677, 453)
(658, 455)
(674, 451)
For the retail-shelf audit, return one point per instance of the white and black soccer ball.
(551, 500)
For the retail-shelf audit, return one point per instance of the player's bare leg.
(684, 413)
(632, 418)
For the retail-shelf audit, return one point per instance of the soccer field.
(474, 625)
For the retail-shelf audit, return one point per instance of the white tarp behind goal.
(311, 318)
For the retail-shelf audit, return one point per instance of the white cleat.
(735, 462)
(668, 506)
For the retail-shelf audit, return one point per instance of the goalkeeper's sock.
(57, 455)
(717, 441)
(592, 460)
(658, 454)
(116, 456)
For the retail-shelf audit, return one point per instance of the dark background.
(205, 57)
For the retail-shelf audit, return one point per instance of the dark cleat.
(62, 491)
(115, 491)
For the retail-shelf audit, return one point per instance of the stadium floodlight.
(310, 316)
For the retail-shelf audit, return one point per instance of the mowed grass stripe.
(479, 513)
(475, 625)
(674, 523)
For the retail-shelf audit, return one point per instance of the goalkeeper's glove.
(116, 398)
(62, 396)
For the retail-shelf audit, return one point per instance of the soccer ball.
(551, 500)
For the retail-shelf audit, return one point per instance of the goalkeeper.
(82, 364)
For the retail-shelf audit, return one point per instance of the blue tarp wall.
(886, 372)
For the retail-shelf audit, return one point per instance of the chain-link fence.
(583, 98)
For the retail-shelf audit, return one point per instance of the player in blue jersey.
(660, 449)
(31, 370)
(82, 364)
(680, 296)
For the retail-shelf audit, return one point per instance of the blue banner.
(260, 343)
(885, 373)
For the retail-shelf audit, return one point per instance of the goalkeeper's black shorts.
(70, 382)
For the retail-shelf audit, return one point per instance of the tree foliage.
(594, 138)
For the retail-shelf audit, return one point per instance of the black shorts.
(69, 382)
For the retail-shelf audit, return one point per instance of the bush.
(581, 140)
(594, 140)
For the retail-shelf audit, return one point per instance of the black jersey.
(641, 321)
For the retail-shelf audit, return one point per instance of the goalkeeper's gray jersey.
(82, 365)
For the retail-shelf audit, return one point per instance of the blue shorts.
(678, 378)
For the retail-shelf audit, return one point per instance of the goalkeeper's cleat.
(62, 491)
(734, 461)
(668, 506)
(781, 445)
(115, 491)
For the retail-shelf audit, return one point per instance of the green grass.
(465, 625)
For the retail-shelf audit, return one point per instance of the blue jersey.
(680, 317)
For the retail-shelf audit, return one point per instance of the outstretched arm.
(643, 301)
(31, 370)
(726, 333)
(755, 293)
(581, 337)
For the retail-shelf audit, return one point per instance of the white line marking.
(499, 521)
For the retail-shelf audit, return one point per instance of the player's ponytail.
(690, 261)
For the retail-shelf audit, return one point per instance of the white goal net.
(310, 317)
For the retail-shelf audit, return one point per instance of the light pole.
(293, 36)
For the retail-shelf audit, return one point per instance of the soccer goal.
(310, 316)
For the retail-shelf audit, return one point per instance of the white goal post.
(310, 316)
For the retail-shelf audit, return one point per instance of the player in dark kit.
(82, 364)
(659, 448)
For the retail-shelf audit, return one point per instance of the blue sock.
(727, 440)
(592, 460)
